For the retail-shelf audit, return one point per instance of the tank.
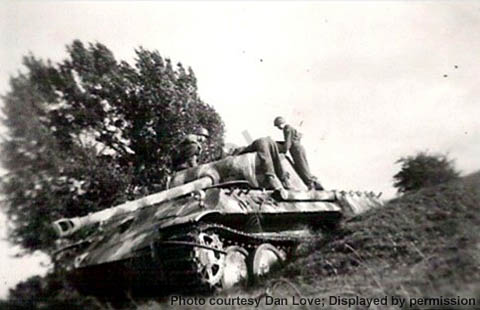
(217, 225)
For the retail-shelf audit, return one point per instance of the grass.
(421, 245)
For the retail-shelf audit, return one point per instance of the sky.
(366, 82)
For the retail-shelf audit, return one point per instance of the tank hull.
(216, 226)
(168, 265)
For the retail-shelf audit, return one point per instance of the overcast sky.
(366, 82)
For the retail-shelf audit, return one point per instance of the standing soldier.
(297, 151)
(189, 150)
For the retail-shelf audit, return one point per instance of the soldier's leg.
(263, 150)
(252, 147)
(301, 164)
(277, 164)
(265, 154)
(262, 147)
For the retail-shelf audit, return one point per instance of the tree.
(423, 170)
(90, 132)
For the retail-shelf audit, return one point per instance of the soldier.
(297, 151)
(189, 150)
(268, 153)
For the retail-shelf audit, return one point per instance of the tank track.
(179, 255)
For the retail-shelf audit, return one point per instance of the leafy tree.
(423, 170)
(90, 132)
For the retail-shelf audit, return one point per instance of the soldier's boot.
(275, 183)
(318, 186)
(315, 185)
(286, 181)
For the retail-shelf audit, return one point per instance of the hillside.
(423, 247)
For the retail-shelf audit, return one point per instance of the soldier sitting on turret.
(269, 156)
(189, 150)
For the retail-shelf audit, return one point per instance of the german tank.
(216, 225)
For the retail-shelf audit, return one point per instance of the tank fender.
(192, 218)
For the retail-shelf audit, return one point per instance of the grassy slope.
(422, 244)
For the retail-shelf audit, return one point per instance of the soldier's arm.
(199, 149)
(287, 133)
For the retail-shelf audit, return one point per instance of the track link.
(180, 254)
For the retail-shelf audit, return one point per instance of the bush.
(423, 170)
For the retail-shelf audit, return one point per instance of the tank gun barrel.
(67, 226)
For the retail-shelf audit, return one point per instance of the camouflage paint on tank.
(138, 230)
(199, 195)
(233, 168)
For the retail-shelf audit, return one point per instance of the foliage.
(49, 292)
(423, 170)
(90, 132)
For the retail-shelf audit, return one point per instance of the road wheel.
(263, 258)
(235, 269)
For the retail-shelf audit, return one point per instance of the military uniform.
(297, 151)
(268, 154)
(188, 152)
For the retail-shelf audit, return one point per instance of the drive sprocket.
(209, 263)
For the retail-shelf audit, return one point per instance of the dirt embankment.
(421, 248)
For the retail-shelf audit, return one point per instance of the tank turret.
(233, 168)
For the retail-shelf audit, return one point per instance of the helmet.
(203, 132)
(278, 121)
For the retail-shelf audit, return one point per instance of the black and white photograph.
(239, 154)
